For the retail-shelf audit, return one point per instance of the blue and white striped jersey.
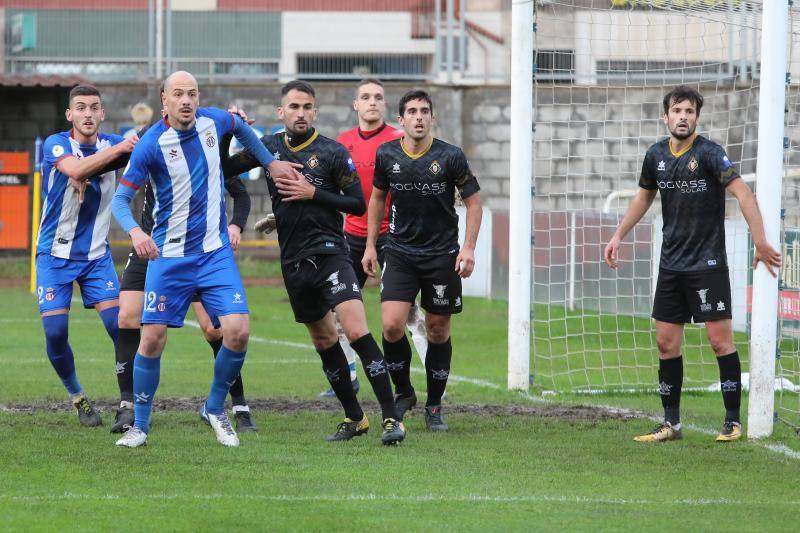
(70, 229)
(184, 169)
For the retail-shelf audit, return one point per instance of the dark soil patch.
(279, 406)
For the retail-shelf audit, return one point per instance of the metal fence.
(132, 40)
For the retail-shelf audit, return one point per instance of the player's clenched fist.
(144, 245)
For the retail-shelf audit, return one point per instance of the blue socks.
(109, 317)
(227, 366)
(146, 373)
(56, 328)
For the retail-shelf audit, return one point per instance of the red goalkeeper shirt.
(362, 147)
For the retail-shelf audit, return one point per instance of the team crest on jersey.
(210, 140)
(162, 303)
(58, 150)
(435, 167)
(312, 162)
(692, 164)
(396, 168)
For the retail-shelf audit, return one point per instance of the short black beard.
(682, 136)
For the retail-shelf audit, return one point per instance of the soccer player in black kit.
(692, 174)
(315, 262)
(422, 251)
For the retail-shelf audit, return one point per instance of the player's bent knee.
(129, 318)
(393, 330)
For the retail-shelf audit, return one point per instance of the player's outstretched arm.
(86, 167)
(377, 205)
(465, 262)
(636, 210)
(764, 253)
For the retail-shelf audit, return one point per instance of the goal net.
(601, 70)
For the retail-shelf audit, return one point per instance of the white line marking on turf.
(469, 498)
(262, 340)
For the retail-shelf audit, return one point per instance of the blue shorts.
(54, 277)
(172, 282)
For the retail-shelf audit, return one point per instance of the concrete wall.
(590, 141)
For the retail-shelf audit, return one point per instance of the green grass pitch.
(510, 462)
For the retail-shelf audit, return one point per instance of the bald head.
(181, 78)
(181, 98)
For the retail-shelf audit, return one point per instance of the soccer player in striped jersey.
(189, 250)
(72, 243)
(131, 300)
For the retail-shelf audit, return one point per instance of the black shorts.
(319, 283)
(702, 296)
(357, 246)
(405, 275)
(135, 273)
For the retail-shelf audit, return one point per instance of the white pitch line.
(468, 498)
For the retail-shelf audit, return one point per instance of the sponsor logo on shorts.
(704, 305)
(720, 306)
(356, 288)
(382, 285)
(440, 299)
(336, 286)
(376, 368)
(237, 298)
(109, 285)
(664, 389)
(458, 301)
(712, 262)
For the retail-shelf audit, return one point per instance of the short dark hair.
(367, 81)
(681, 93)
(83, 90)
(414, 94)
(298, 85)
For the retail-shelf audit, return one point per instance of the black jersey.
(692, 186)
(307, 228)
(422, 214)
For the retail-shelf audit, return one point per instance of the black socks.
(670, 378)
